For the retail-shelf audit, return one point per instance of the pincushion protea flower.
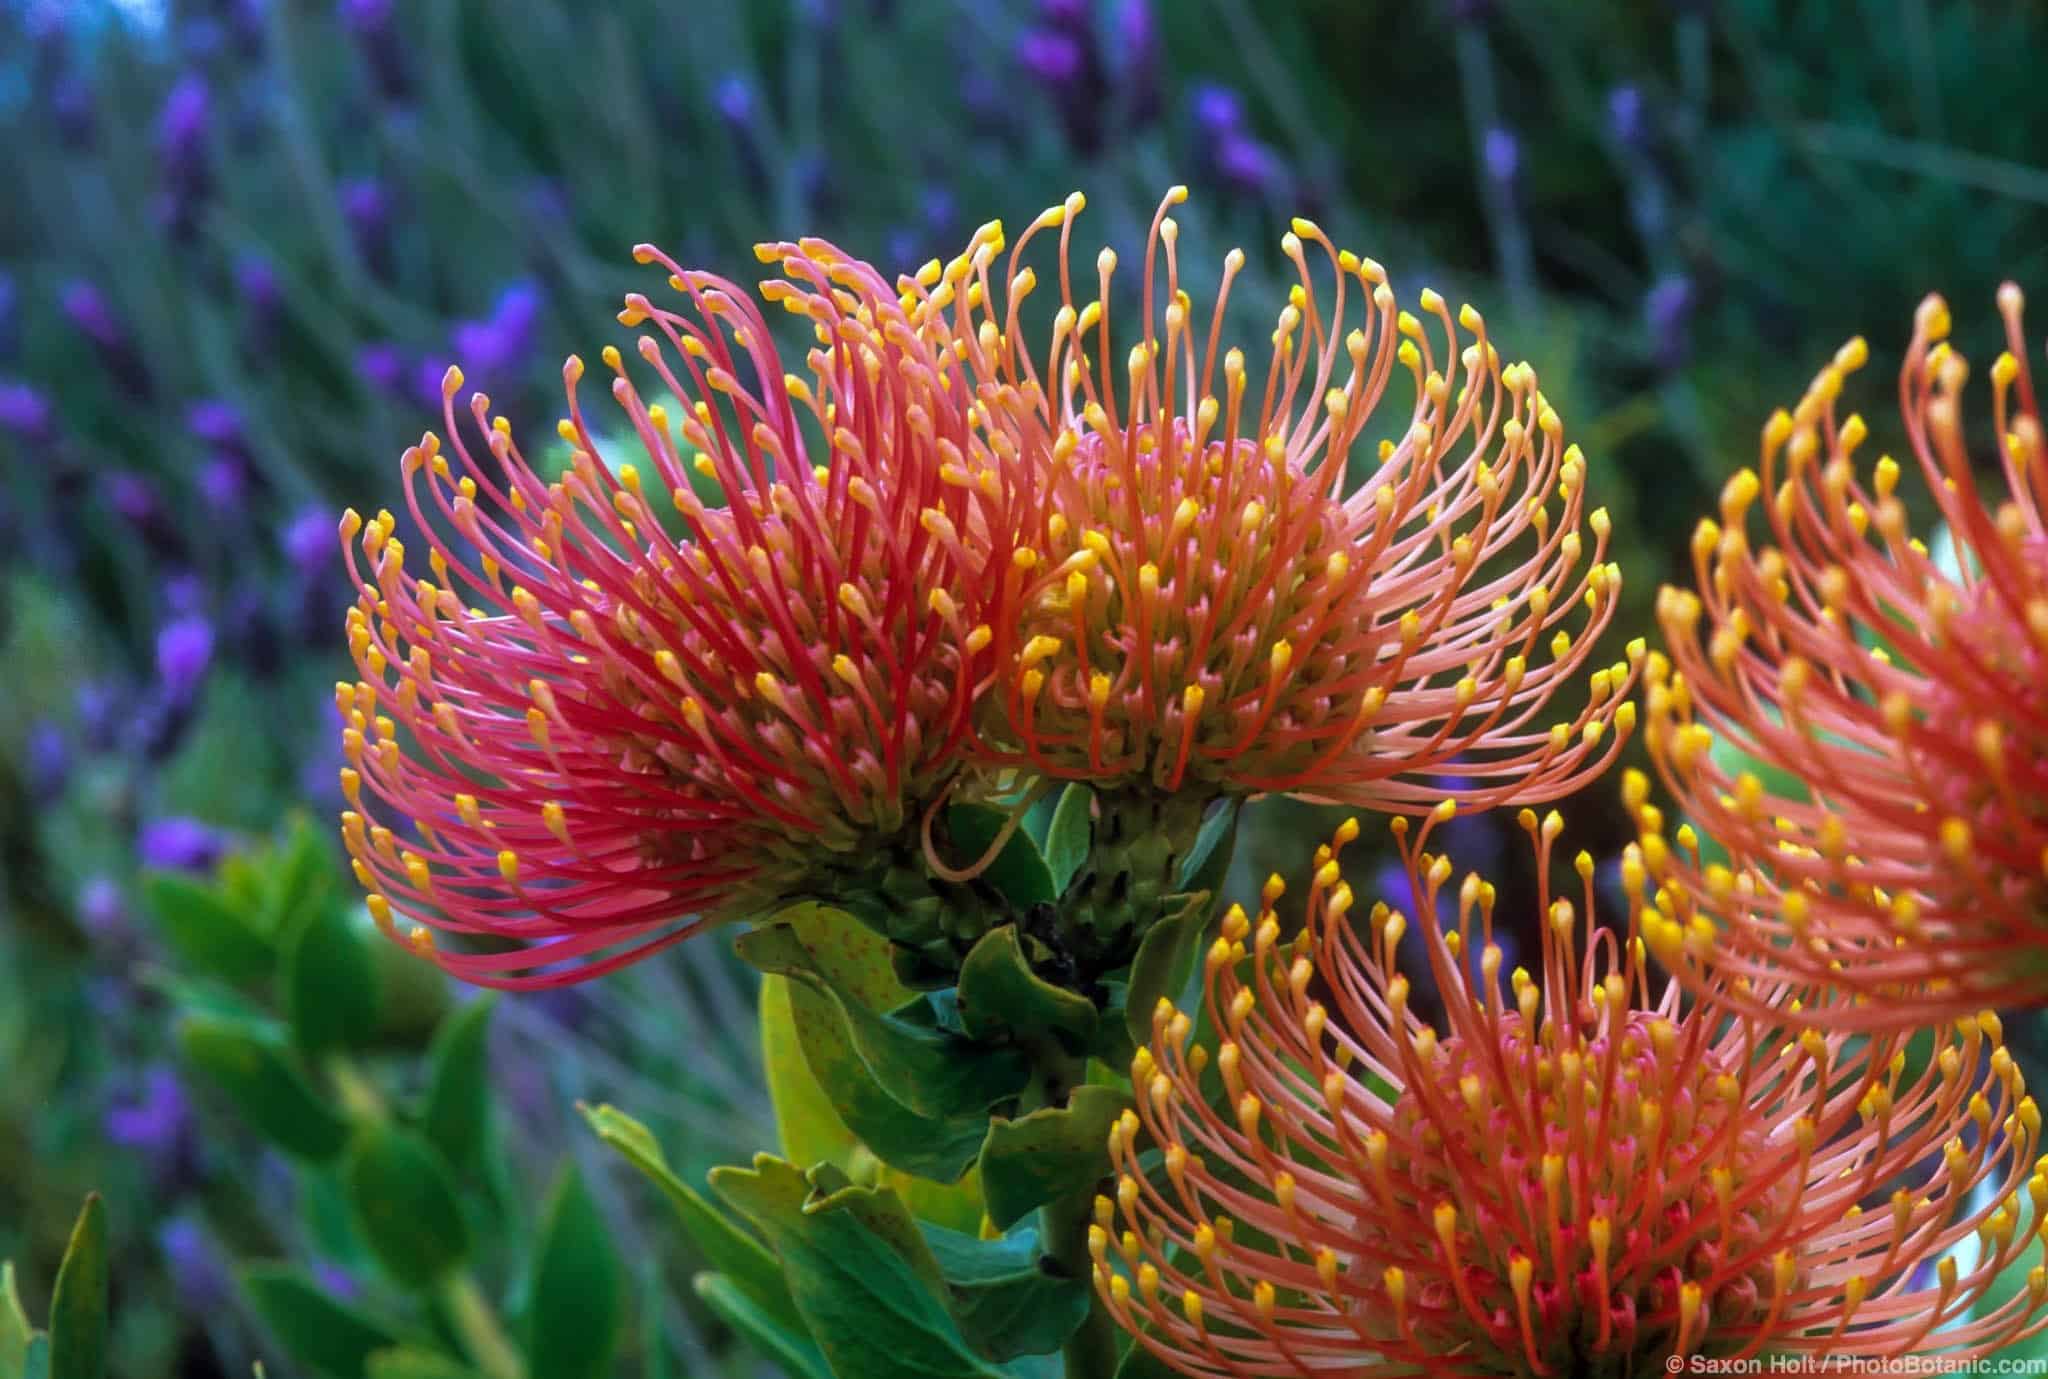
(618, 704)
(1209, 600)
(1581, 1176)
(1892, 837)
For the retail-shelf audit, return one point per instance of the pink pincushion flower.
(1223, 587)
(1581, 1174)
(1858, 720)
(639, 698)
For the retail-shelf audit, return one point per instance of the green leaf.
(253, 1065)
(15, 1332)
(1051, 1153)
(458, 1083)
(1072, 831)
(809, 1129)
(1005, 1304)
(574, 1303)
(78, 1306)
(319, 1332)
(405, 1204)
(1019, 873)
(1208, 861)
(204, 931)
(407, 1362)
(330, 980)
(730, 1250)
(1164, 961)
(862, 1276)
(1000, 996)
(36, 1364)
(300, 877)
(791, 1348)
(928, 1070)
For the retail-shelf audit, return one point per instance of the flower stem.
(482, 1334)
(1091, 1352)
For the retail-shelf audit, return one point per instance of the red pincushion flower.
(1582, 1175)
(1216, 594)
(1888, 832)
(622, 708)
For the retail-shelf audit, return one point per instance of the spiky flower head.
(1856, 716)
(727, 674)
(1225, 586)
(1579, 1174)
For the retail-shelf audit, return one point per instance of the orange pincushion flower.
(1581, 1175)
(1892, 838)
(1208, 599)
(618, 703)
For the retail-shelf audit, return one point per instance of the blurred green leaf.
(1006, 1305)
(458, 1105)
(1018, 872)
(730, 1249)
(1140, 1363)
(790, 1347)
(204, 931)
(406, 1362)
(1051, 1153)
(1068, 837)
(330, 980)
(405, 1202)
(15, 1331)
(319, 1332)
(1001, 997)
(574, 1303)
(253, 1065)
(78, 1307)
(1165, 960)
(36, 1365)
(859, 1270)
(299, 877)
(1208, 861)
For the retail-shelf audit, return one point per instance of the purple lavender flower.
(1137, 36)
(194, 1264)
(366, 207)
(382, 365)
(10, 318)
(218, 423)
(99, 706)
(93, 317)
(47, 758)
(180, 843)
(336, 1281)
(134, 500)
(734, 99)
(102, 910)
(1503, 158)
(183, 131)
(262, 299)
(155, 1119)
(184, 650)
(1064, 57)
(383, 50)
(74, 111)
(1667, 317)
(26, 413)
(1628, 117)
(309, 541)
(1218, 110)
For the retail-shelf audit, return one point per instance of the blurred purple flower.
(47, 761)
(184, 158)
(26, 412)
(184, 649)
(73, 110)
(1246, 166)
(98, 704)
(1628, 117)
(366, 206)
(195, 1264)
(1138, 51)
(336, 1281)
(382, 365)
(10, 317)
(1503, 157)
(497, 349)
(134, 500)
(383, 51)
(1667, 317)
(309, 541)
(1218, 110)
(102, 910)
(156, 1119)
(1063, 56)
(180, 843)
(93, 317)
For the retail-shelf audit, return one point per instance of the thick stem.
(1091, 1352)
(482, 1335)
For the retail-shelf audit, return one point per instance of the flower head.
(1225, 585)
(729, 674)
(1577, 1175)
(1856, 716)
